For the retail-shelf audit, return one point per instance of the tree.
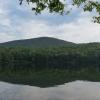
(59, 6)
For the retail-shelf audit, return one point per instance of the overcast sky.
(19, 22)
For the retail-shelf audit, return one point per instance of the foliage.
(50, 66)
(74, 57)
(61, 6)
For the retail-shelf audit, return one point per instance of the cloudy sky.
(19, 22)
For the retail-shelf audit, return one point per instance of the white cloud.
(79, 30)
(37, 28)
(4, 18)
(6, 37)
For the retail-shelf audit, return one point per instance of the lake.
(77, 90)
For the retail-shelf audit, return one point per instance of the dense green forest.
(74, 57)
(49, 65)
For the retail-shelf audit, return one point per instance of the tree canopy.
(61, 6)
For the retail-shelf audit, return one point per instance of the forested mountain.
(38, 42)
(22, 55)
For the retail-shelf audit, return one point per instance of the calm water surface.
(78, 90)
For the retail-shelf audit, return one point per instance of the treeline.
(74, 58)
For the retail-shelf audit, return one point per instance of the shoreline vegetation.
(45, 67)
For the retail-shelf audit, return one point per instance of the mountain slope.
(38, 42)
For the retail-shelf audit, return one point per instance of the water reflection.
(78, 90)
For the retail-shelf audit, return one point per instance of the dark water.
(78, 90)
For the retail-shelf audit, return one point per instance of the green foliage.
(50, 66)
(74, 57)
(61, 7)
(40, 5)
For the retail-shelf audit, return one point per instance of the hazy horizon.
(46, 37)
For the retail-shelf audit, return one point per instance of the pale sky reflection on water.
(78, 90)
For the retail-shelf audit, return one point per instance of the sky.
(20, 22)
